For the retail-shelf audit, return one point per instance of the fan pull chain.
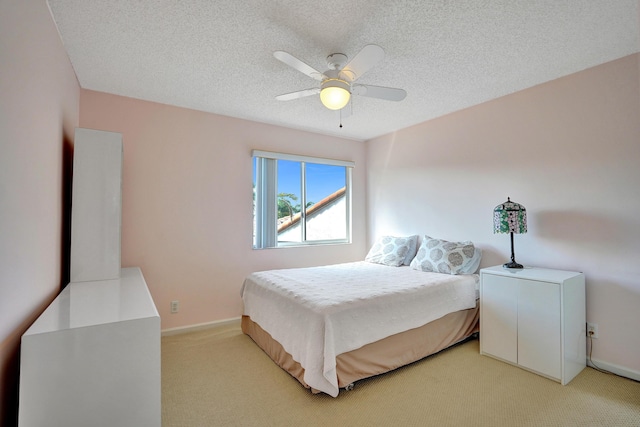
(349, 105)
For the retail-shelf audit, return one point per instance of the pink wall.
(39, 101)
(568, 151)
(187, 201)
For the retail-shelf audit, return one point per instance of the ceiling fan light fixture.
(335, 94)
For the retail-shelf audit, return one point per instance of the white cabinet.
(534, 318)
(93, 357)
(97, 205)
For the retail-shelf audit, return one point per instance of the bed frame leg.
(350, 387)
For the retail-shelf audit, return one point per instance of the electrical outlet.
(592, 330)
(174, 306)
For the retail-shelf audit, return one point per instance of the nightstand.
(534, 318)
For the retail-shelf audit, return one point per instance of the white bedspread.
(318, 313)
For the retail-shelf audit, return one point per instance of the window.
(300, 200)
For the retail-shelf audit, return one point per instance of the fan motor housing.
(336, 83)
(337, 61)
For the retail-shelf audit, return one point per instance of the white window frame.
(265, 215)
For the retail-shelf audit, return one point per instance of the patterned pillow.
(441, 256)
(389, 250)
(472, 265)
(413, 248)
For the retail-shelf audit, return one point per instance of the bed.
(330, 326)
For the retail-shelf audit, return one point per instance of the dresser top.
(532, 273)
(83, 304)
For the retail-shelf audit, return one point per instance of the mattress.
(319, 313)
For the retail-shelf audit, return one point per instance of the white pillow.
(413, 248)
(442, 256)
(472, 265)
(389, 250)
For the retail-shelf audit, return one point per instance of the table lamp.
(510, 217)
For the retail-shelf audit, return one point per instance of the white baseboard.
(199, 326)
(614, 369)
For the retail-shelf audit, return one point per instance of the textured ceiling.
(217, 56)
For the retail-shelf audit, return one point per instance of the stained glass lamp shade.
(510, 217)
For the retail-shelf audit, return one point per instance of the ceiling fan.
(338, 83)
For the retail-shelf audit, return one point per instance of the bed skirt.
(381, 356)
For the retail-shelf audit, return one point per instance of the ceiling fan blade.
(388, 93)
(369, 56)
(295, 63)
(298, 94)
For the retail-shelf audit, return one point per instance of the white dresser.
(93, 357)
(534, 318)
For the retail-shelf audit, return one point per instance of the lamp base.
(512, 264)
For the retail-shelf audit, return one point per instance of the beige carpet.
(219, 377)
